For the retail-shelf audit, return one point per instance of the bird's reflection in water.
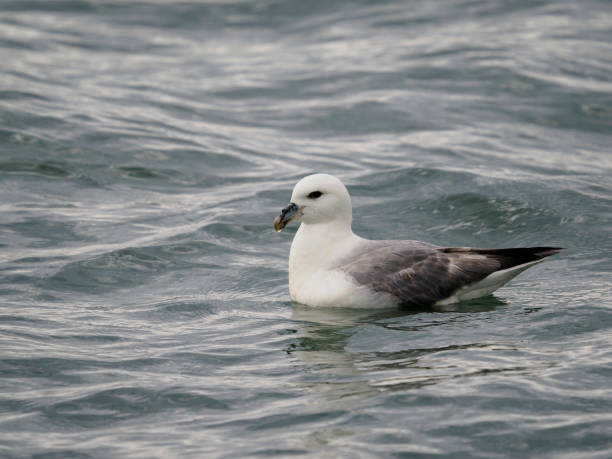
(330, 342)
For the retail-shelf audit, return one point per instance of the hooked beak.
(288, 214)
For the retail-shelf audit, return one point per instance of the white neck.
(317, 246)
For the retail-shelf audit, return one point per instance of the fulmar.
(330, 266)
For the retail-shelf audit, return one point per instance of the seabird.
(330, 266)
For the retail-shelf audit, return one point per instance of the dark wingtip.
(543, 252)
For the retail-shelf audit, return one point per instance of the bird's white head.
(317, 198)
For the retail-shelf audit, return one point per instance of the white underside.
(487, 285)
(334, 288)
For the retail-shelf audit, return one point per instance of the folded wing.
(420, 275)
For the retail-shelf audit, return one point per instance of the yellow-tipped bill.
(287, 214)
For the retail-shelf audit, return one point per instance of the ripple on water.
(145, 148)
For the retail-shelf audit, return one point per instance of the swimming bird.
(331, 266)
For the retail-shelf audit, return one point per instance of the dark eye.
(314, 195)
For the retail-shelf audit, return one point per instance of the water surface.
(145, 148)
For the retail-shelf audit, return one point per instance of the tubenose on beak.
(287, 214)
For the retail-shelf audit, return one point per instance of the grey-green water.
(146, 146)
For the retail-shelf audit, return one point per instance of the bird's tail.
(508, 258)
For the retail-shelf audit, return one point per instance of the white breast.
(313, 277)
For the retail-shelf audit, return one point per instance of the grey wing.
(417, 274)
